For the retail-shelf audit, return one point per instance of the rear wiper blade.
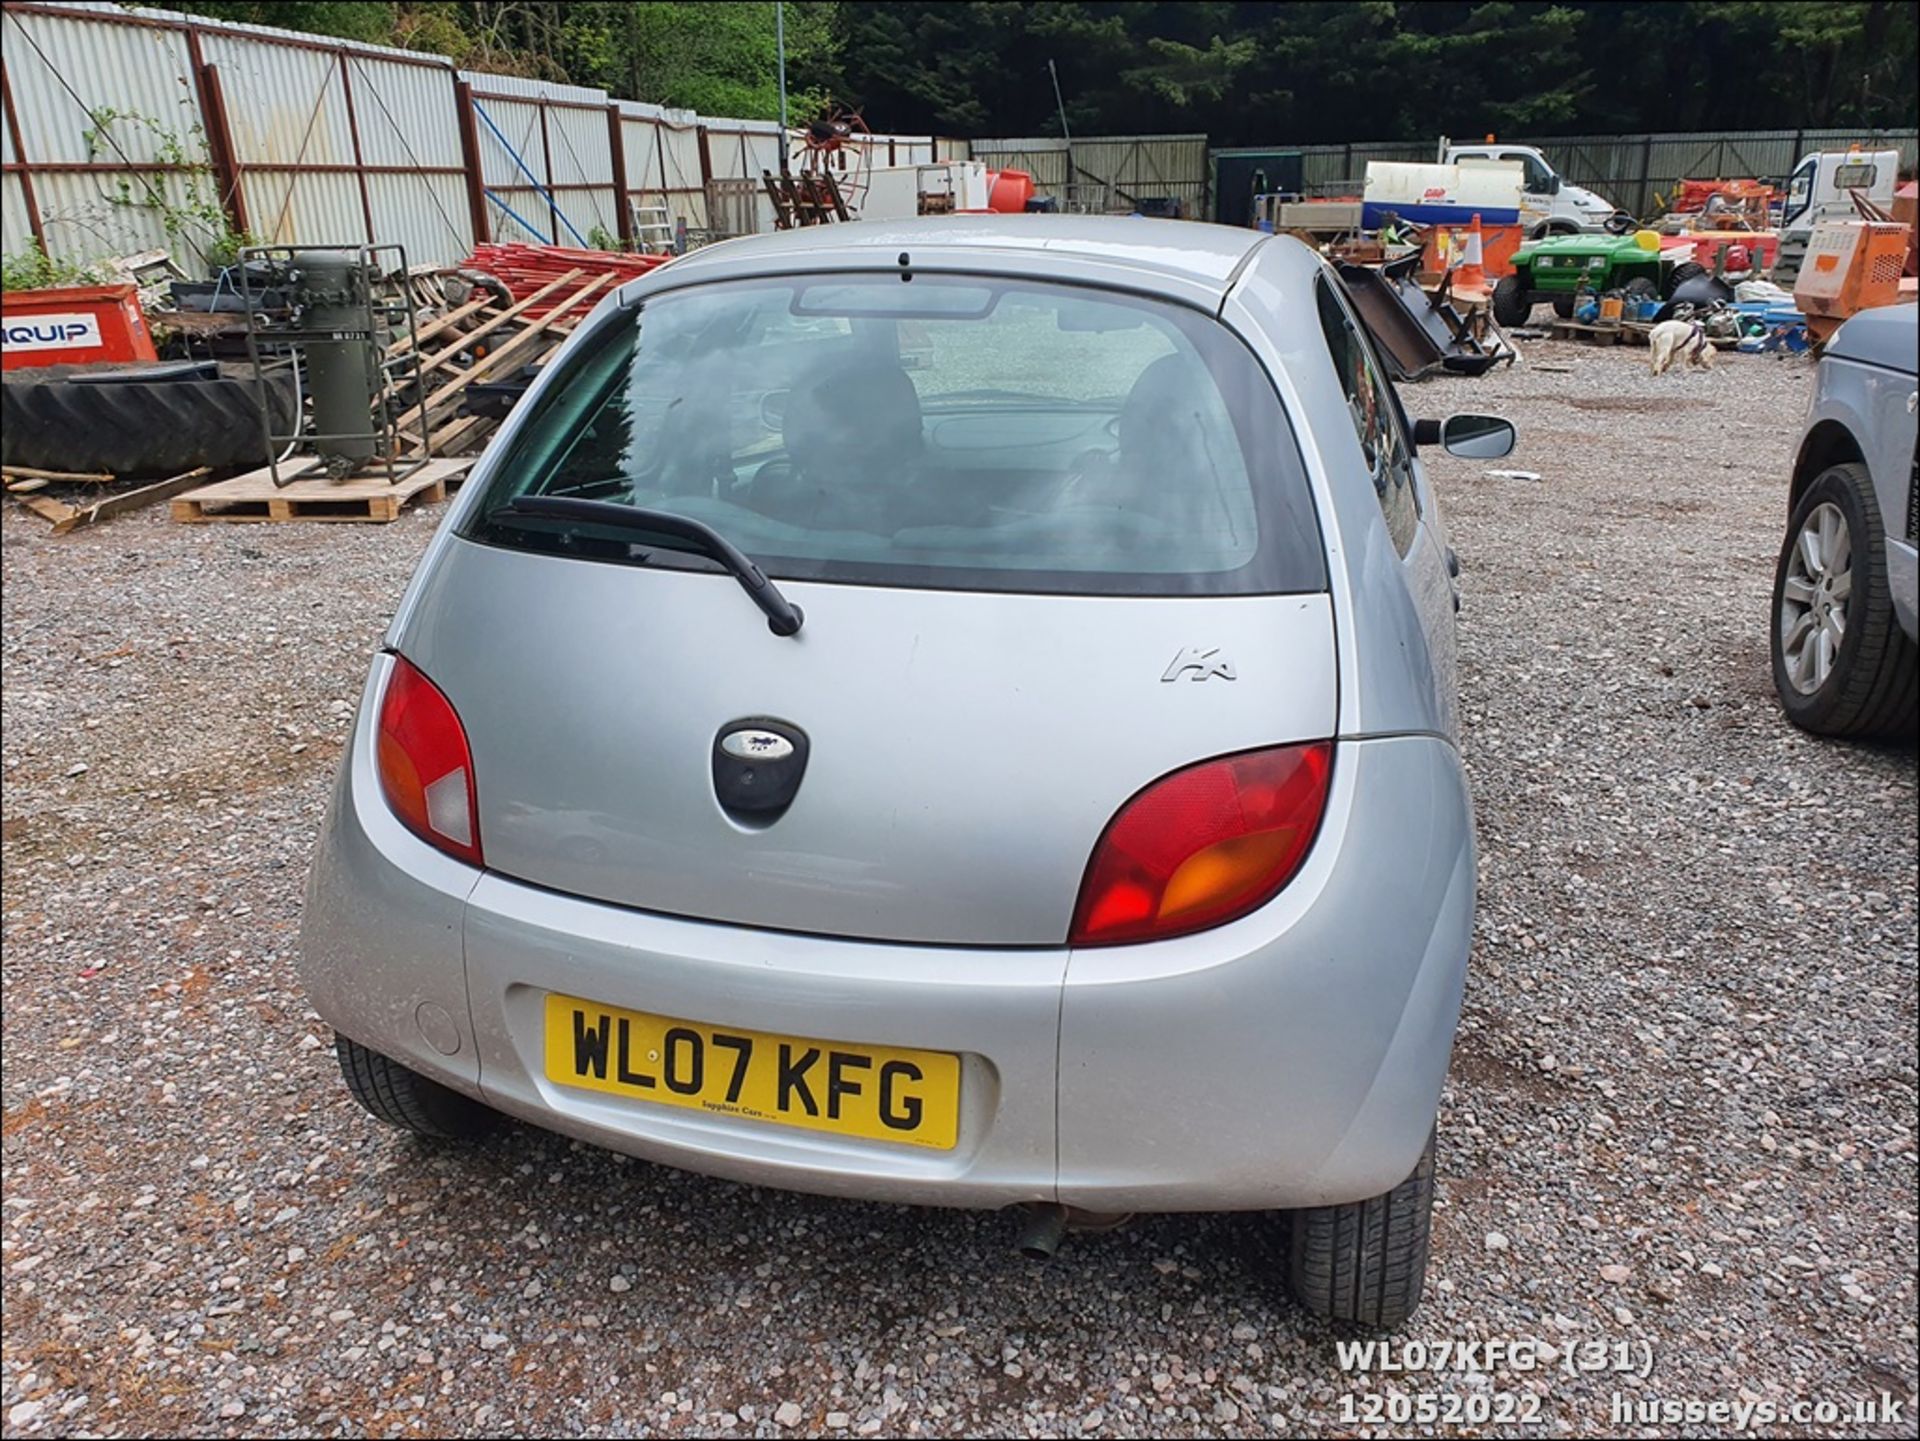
(783, 616)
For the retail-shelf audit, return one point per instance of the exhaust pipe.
(1042, 1231)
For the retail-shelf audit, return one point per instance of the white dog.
(1672, 340)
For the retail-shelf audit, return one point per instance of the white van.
(1822, 187)
(1549, 204)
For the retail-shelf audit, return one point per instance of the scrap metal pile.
(1447, 260)
(126, 405)
(506, 309)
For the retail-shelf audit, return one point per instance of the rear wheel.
(1563, 306)
(391, 1093)
(1841, 663)
(1686, 270)
(1367, 1261)
(1641, 288)
(1511, 303)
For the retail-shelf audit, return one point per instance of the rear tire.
(1873, 685)
(1511, 303)
(1367, 1261)
(1685, 270)
(391, 1093)
(1641, 288)
(1563, 306)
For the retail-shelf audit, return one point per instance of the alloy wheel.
(1813, 598)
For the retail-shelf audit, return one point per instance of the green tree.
(370, 21)
(1243, 73)
(718, 57)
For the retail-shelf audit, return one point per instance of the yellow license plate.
(880, 1093)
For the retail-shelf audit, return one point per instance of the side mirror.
(1477, 437)
(1553, 185)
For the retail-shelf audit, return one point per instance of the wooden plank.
(440, 323)
(493, 323)
(460, 431)
(133, 499)
(60, 514)
(20, 487)
(495, 361)
(87, 477)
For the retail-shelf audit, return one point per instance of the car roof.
(1882, 336)
(1181, 253)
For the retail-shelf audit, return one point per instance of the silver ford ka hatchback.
(957, 712)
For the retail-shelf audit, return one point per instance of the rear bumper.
(1292, 1058)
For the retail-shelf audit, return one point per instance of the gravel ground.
(1682, 1110)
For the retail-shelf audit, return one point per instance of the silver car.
(1844, 621)
(958, 712)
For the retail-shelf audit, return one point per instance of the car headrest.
(1160, 414)
(854, 416)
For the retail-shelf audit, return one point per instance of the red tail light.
(1204, 845)
(426, 770)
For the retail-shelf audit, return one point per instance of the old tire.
(1859, 677)
(1685, 270)
(138, 428)
(1511, 303)
(1365, 1262)
(1641, 288)
(390, 1092)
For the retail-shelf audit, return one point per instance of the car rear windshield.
(941, 432)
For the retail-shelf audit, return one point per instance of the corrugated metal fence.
(1636, 172)
(135, 129)
(1099, 174)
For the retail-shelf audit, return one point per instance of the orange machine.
(1851, 265)
(1446, 247)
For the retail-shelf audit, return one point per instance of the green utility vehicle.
(1559, 268)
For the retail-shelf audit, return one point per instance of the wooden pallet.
(1588, 334)
(1627, 332)
(809, 198)
(364, 498)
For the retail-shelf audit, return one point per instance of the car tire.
(1685, 270)
(1641, 288)
(1365, 1262)
(389, 1092)
(1563, 306)
(1511, 303)
(1870, 687)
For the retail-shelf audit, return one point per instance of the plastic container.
(1008, 191)
(1612, 310)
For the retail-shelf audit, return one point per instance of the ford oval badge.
(756, 745)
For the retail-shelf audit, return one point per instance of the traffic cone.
(1469, 277)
